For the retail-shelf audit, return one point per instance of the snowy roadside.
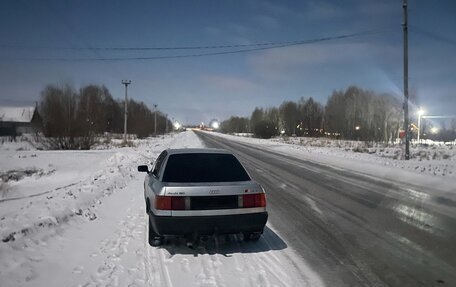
(69, 188)
(434, 173)
(430, 158)
(83, 224)
(54, 186)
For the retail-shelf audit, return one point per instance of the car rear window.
(204, 167)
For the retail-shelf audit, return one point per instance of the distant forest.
(72, 118)
(354, 114)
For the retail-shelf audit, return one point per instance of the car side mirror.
(143, 168)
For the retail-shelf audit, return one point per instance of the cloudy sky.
(198, 89)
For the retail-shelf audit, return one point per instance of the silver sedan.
(199, 192)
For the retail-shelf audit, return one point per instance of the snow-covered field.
(76, 218)
(433, 166)
(437, 159)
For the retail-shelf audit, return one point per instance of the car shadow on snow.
(225, 244)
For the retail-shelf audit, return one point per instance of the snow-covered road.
(356, 223)
(88, 228)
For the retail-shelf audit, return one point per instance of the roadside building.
(19, 120)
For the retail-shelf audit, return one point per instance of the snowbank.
(67, 184)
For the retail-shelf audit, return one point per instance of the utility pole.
(406, 96)
(155, 118)
(126, 83)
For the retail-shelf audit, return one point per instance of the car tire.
(154, 238)
(147, 206)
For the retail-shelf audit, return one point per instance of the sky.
(198, 89)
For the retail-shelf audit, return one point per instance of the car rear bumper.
(208, 225)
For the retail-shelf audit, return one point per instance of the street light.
(357, 128)
(421, 113)
(434, 130)
(215, 125)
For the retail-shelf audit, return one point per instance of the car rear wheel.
(154, 238)
(147, 206)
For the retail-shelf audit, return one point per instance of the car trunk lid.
(212, 196)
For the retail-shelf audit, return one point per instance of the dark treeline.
(353, 113)
(235, 125)
(72, 118)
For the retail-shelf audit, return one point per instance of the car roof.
(196, 150)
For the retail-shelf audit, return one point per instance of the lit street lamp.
(357, 128)
(421, 113)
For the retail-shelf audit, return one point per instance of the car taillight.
(170, 202)
(253, 200)
(178, 203)
(163, 202)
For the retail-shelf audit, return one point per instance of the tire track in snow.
(111, 272)
(40, 193)
(258, 265)
(208, 265)
(210, 274)
(155, 264)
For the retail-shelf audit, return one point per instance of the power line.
(6, 46)
(433, 35)
(262, 46)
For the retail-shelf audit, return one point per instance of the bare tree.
(72, 120)
(311, 117)
(235, 125)
(290, 116)
(359, 114)
(58, 109)
(256, 117)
